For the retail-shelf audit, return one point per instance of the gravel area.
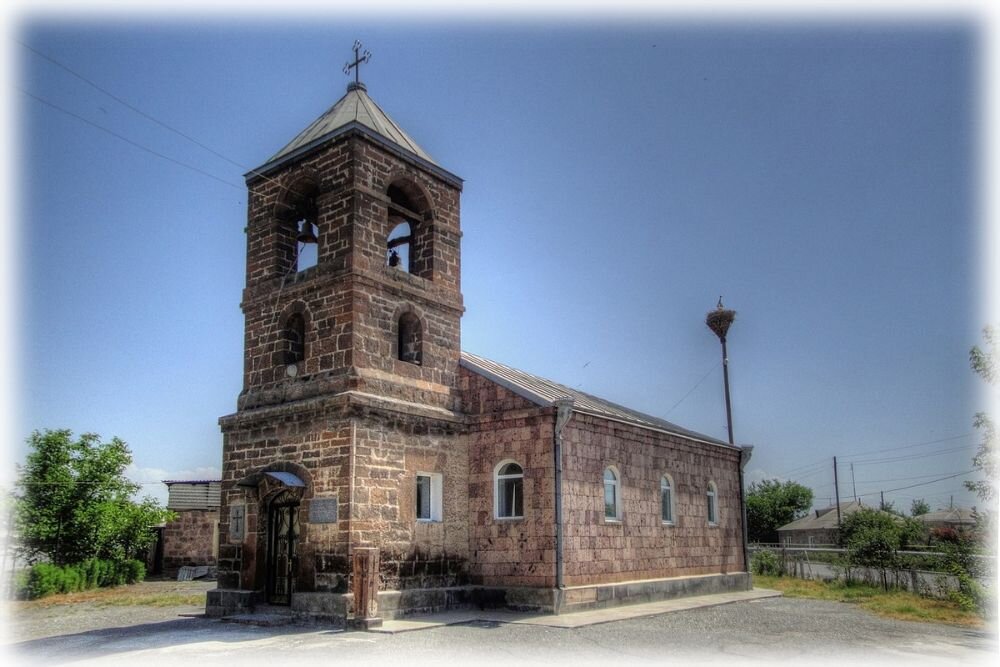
(761, 632)
(34, 620)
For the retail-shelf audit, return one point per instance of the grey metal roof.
(955, 516)
(355, 109)
(545, 392)
(823, 519)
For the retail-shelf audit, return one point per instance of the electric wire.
(691, 390)
(153, 119)
(60, 109)
(825, 462)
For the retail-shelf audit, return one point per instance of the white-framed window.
(612, 501)
(508, 491)
(667, 499)
(429, 496)
(713, 510)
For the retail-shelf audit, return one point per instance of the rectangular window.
(711, 507)
(666, 505)
(508, 491)
(610, 501)
(511, 498)
(429, 496)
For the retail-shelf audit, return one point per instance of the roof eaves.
(361, 128)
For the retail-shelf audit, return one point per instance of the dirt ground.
(119, 607)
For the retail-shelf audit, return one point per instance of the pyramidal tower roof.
(354, 111)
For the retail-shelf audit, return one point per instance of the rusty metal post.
(365, 568)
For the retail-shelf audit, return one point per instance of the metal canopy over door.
(283, 531)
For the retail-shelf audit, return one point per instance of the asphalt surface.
(796, 631)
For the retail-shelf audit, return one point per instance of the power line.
(128, 141)
(910, 457)
(913, 486)
(153, 119)
(822, 463)
(690, 391)
(902, 479)
(126, 104)
(912, 445)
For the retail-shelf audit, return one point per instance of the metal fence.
(828, 563)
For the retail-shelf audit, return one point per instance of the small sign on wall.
(236, 522)
(323, 510)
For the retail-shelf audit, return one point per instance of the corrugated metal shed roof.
(355, 109)
(541, 391)
(193, 494)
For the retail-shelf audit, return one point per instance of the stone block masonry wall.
(509, 552)
(389, 452)
(191, 539)
(315, 445)
(351, 301)
(641, 546)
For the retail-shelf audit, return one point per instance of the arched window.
(612, 501)
(508, 491)
(397, 247)
(293, 339)
(410, 339)
(713, 511)
(666, 499)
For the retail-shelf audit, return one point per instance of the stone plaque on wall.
(323, 510)
(236, 523)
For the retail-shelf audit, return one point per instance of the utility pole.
(836, 488)
(719, 321)
(882, 505)
(853, 485)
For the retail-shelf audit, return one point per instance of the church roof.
(355, 110)
(545, 392)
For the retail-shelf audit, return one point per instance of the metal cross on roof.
(359, 58)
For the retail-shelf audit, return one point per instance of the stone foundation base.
(226, 602)
(338, 607)
(599, 596)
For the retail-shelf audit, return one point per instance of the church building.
(369, 450)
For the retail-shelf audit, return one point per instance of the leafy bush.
(44, 579)
(766, 562)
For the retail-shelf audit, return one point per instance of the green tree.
(74, 501)
(987, 460)
(919, 506)
(771, 504)
(873, 538)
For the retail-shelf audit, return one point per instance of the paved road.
(761, 632)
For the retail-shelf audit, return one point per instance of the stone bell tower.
(352, 312)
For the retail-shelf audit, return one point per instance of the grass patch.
(900, 605)
(138, 595)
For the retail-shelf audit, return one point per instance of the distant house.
(818, 528)
(959, 518)
(193, 537)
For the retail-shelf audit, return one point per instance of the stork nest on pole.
(718, 320)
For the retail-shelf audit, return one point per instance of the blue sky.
(619, 177)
